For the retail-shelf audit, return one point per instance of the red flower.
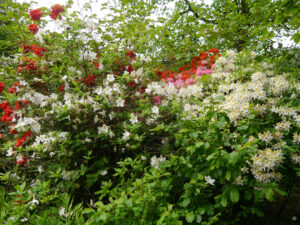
(203, 55)
(21, 103)
(212, 59)
(12, 131)
(36, 14)
(33, 28)
(90, 80)
(2, 86)
(62, 88)
(56, 10)
(21, 160)
(131, 55)
(38, 50)
(130, 69)
(3, 105)
(13, 88)
(213, 50)
(26, 48)
(8, 111)
(22, 140)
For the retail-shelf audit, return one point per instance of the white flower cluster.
(266, 136)
(279, 84)
(264, 163)
(38, 98)
(155, 162)
(296, 159)
(46, 140)
(27, 122)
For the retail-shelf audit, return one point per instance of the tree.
(11, 14)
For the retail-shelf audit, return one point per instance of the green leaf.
(269, 194)
(189, 217)
(224, 201)
(88, 210)
(228, 175)
(185, 202)
(234, 195)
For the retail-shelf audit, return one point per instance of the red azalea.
(131, 55)
(38, 50)
(26, 48)
(12, 131)
(90, 80)
(13, 88)
(212, 59)
(8, 111)
(213, 50)
(21, 160)
(22, 140)
(36, 14)
(20, 104)
(62, 88)
(203, 55)
(3, 105)
(130, 69)
(33, 28)
(56, 10)
(2, 86)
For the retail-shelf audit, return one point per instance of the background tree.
(11, 14)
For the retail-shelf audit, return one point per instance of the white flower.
(110, 77)
(19, 158)
(155, 109)
(133, 118)
(120, 102)
(34, 202)
(24, 219)
(209, 180)
(40, 169)
(10, 152)
(103, 172)
(143, 158)
(62, 211)
(107, 90)
(126, 135)
(104, 129)
(155, 162)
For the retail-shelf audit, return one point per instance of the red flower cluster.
(131, 55)
(33, 28)
(188, 70)
(62, 88)
(2, 86)
(90, 80)
(21, 103)
(8, 111)
(23, 139)
(36, 49)
(28, 65)
(56, 10)
(14, 87)
(36, 14)
(213, 50)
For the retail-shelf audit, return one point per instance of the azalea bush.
(95, 135)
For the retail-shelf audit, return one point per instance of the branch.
(190, 9)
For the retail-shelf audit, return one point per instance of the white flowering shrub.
(93, 137)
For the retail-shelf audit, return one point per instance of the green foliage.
(104, 150)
